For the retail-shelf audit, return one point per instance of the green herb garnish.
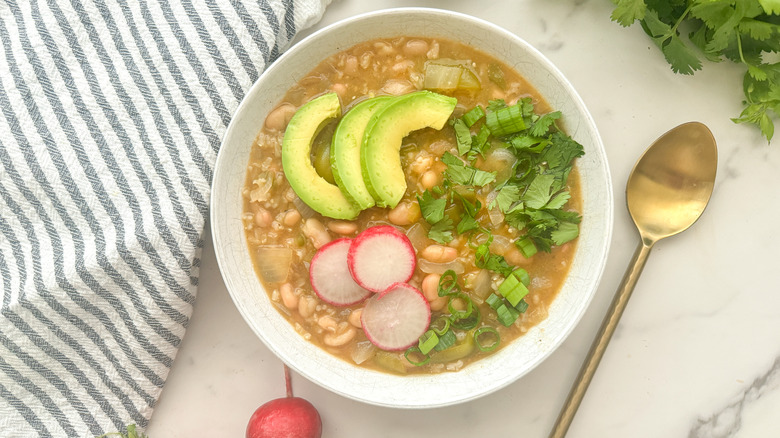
(743, 31)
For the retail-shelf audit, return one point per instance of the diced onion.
(274, 263)
(363, 351)
(440, 268)
(305, 211)
(500, 245)
(496, 217)
(482, 284)
(500, 160)
(418, 236)
(397, 87)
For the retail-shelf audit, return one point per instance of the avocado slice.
(380, 158)
(322, 196)
(345, 150)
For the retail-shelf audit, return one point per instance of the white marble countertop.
(697, 352)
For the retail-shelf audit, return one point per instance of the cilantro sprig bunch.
(532, 199)
(743, 31)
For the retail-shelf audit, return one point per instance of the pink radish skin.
(396, 318)
(289, 417)
(381, 256)
(330, 277)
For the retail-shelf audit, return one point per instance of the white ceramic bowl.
(418, 391)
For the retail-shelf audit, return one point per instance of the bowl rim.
(288, 357)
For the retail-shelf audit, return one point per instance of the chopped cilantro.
(459, 173)
(432, 209)
(441, 231)
(743, 31)
(462, 136)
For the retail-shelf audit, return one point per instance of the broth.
(284, 234)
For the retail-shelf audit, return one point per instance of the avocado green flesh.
(322, 196)
(345, 150)
(380, 152)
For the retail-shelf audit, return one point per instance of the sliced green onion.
(473, 115)
(522, 275)
(505, 121)
(494, 301)
(507, 315)
(513, 289)
(427, 341)
(470, 321)
(522, 306)
(414, 351)
(447, 340)
(448, 283)
(440, 325)
(460, 314)
(526, 246)
(487, 332)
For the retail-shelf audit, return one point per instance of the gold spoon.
(666, 193)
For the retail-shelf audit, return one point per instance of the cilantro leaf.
(542, 126)
(467, 223)
(628, 11)
(742, 31)
(508, 195)
(462, 136)
(558, 201)
(538, 193)
(459, 173)
(432, 209)
(770, 6)
(441, 231)
(565, 232)
(496, 104)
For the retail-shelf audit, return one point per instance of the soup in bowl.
(394, 209)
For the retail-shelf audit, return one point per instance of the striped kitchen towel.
(111, 116)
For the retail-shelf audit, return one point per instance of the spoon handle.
(602, 339)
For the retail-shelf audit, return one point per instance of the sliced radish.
(330, 277)
(396, 318)
(381, 256)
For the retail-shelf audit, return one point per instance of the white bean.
(439, 253)
(429, 179)
(339, 89)
(337, 340)
(306, 306)
(354, 317)
(515, 257)
(263, 218)
(278, 118)
(405, 213)
(291, 218)
(327, 323)
(316, 232)
(415, 47)
(342, 227)
(289, 298)
(430, 289)
(351, 65)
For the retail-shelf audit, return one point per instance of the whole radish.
(289, 417)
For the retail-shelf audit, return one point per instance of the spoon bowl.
(666, 193)
(671, 185)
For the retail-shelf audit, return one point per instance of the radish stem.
(288, 381)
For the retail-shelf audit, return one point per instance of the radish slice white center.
(330, 277)
(381, 256)
(396, 318)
